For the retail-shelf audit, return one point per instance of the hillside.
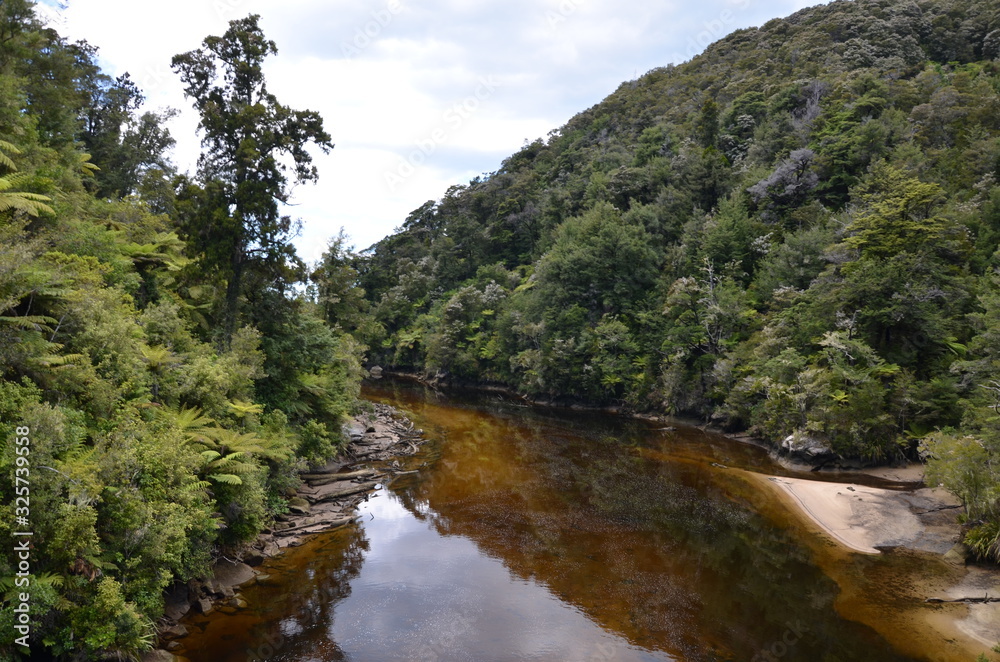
(795, 233)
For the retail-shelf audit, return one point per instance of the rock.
(254, 558)
(194, 590)
(227, 609)
(298, 505)
(376, 372)
(237, 602)
(369, 429)
(173, 646)
(159, 655)
(204, 606)
(228, 574)
(341, 489)
(210, 587)
(800, 446)
(958, 555)
(173, 632)
(176, 603)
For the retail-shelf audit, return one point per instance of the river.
(552, 535)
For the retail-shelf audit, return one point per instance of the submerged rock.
(173, 632)
(160, 655)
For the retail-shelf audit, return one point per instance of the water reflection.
(538, 536)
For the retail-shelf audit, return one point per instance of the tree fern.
(31, 204)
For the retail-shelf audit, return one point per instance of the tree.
(253, 144)
(123, 143)
(336, 279)
(900, 215)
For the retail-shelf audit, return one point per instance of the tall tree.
(122, 142)
(253, 147)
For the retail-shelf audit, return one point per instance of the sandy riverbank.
(865, 519)
(870, 521)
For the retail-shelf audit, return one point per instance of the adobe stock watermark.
(714, 29)
(22, 535)
(452, 120)
(227, 9)
(604, 652)
(783, 646)
(559, 15)
(154, 77)
(365, 35)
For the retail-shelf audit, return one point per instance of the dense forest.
(159, 346)
(795, 234)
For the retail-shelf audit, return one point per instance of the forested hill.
(794, 233)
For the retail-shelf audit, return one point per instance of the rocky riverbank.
(325, 501)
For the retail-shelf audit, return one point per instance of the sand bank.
(865, 519)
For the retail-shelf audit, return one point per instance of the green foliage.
(152, 450)
(108, 625)
(247, 136)
(899, 216)
(797, 249)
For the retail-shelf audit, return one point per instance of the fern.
(228, 479)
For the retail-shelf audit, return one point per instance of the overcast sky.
(418, 95)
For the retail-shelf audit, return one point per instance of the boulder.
(204, 606)
(228, 574)
(173, 632)
(254, 558)
(194, 590)
(298, 505)
(958, 555)
(159, 655)
(176, 602)
(802, 447)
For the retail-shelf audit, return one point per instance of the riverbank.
(869, 519)
(326, 500)
(948, 601)
(894, 476)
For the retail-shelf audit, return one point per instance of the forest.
(794, 234)
(159, 346)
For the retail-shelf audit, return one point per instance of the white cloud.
(385, 73)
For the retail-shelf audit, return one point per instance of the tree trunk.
(233, 289)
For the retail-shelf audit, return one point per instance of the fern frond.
(242, 408)
(29, 322)
(228, 479)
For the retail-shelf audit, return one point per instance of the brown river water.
(538, 535)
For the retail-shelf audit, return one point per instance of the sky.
(419, 95)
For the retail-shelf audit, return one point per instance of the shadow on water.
(545, 535)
